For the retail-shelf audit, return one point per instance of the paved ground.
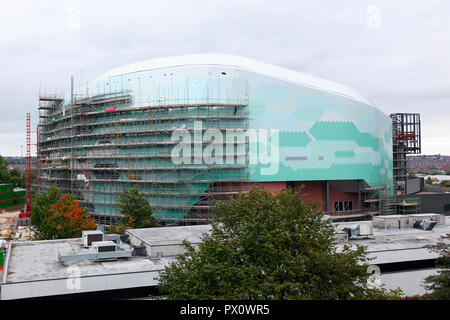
(8, 217)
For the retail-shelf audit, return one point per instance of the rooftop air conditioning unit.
(90, 236)
(104, 246)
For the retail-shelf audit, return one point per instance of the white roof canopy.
(241, 63)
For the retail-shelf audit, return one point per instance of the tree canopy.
(14, 176)
(265, 246)
(136, 209)
(439, 284)
(59, 216)
(4, 174)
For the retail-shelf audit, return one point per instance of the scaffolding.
(377, 199)
(96, 146)
(406, 139)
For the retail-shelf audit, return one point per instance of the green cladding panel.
(322, 136)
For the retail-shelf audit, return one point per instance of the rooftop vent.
(358, 231)
(406, 220)
(424, 225)
(352, 231)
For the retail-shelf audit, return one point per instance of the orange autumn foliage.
(69, 218)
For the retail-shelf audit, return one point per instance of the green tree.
(17, 178)
(41, 212)
(411, 175)
(4, 174)
(118, 228)
(439, 284)
(445, 184)
(136, 209)
(265, 246)
(14, 176)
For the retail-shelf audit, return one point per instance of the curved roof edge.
(240, 62)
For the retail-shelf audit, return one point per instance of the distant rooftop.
(398, 245)
(432, 189)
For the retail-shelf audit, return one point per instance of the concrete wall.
(413, 185)
(411, 282)
(166, 250)
(394, 256)
(436, 203)
(153, 249)
(32, 289)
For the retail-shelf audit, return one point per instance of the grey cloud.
(402, 67)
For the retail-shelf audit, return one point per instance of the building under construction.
(189, 129)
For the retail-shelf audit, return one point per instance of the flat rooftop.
(32, 268)
(382, 240)
(38, 260)
(170, 235)
(398, 239)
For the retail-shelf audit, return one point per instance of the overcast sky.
(396, 53)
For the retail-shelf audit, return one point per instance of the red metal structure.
(27, 212)
(407, 135)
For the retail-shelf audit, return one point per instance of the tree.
(439, 284)
(17, 178)
(13, 176)
(445, 184)
(58, 216)
(136, 209)
(118, 228)
(4, 174)
(68, 218)
(41, 212)
(411, 175)
(265, 246)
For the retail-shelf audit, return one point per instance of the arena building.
(187, 129)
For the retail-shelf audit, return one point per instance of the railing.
(357, 212)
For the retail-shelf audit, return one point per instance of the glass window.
(343, 205)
